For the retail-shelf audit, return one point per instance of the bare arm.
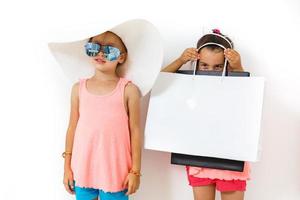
(187, 55)
(133, 104)
(134, 124)
(74, 115)
(174, 66)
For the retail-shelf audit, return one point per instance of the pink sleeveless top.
(101, 155)
(220, 174)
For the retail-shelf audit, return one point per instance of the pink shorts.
(221, 185)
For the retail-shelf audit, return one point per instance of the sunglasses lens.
(111, 53)
(92, 49)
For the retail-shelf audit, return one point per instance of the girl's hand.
(69, 181)
(188, 55)
(234, 60)
(132, 182)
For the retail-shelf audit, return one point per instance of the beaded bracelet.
(66, 153)
(135, 173)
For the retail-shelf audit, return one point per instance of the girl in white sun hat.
(103, 141)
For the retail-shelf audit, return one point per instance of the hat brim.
(144, 59)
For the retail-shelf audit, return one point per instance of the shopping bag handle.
(206, 44)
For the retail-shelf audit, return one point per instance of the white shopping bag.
(214, 116)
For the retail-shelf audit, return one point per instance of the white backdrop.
(34, 103)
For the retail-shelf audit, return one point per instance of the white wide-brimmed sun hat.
(141, 38)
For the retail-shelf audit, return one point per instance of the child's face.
(99, 60)
(211, 60)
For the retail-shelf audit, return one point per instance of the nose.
(101, 54)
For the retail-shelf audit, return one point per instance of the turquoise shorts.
(91, 194)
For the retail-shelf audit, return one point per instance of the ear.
(122, 58)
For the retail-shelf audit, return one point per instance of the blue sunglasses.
(110, 53)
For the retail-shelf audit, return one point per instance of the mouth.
(100, 61)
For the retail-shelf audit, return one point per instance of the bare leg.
(234, 195)
(207, 192)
